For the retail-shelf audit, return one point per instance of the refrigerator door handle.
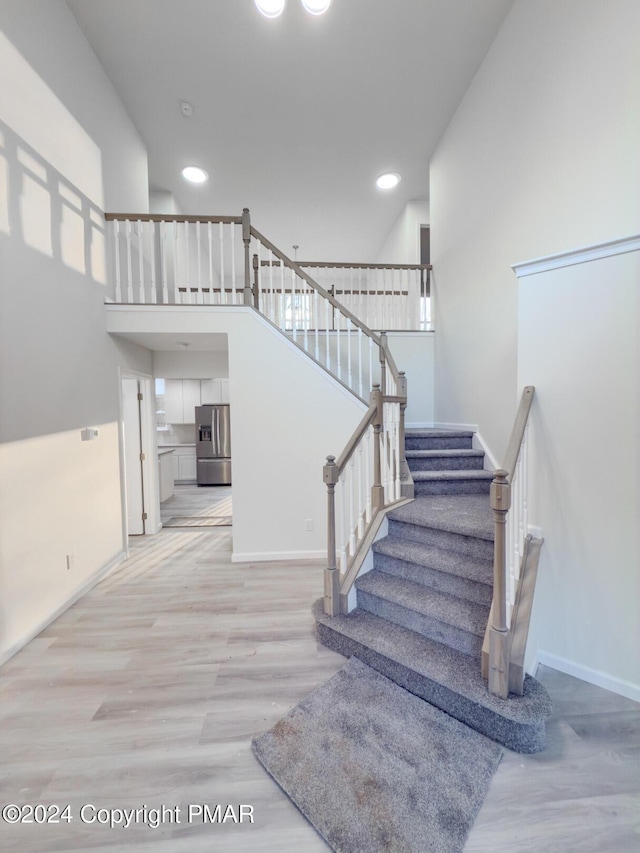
(217, 414)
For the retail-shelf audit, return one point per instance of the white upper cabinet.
(214, 391)
(181, 396)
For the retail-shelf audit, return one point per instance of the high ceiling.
(293, 117)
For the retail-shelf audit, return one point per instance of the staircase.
(422, 611)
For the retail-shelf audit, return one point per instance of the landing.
(469, 515)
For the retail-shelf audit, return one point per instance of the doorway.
(139, 475)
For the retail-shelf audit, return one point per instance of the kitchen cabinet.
(184, 463)
(214, 391)
(181, 396)
(165, 473)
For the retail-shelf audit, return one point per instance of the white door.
(133, 455)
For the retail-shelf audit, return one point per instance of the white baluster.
(360, 362)
(223, 290)
(294, 323)
(272, 298)
(316, 321)
(234, 285)
(283, 299)
(140, 236)
(362, 493)
(129, 263)
(199, 266)
(338, 345)
(116, 237)
(187, 262)
(163, 261)
(304, 294)
(152, 240)
(352, 517)
(176, 264)
(327, 357)
(349, 368)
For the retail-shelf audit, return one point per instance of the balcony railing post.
(246, 239)
(383, 362)
(405, 477)
(500, 499)
(377, 489)
(256, 292)
(331, 475)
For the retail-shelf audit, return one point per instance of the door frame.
(149, 447)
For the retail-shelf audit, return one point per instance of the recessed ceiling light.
(388, 181)
(316, 7)
(195, 174)
(271, 8)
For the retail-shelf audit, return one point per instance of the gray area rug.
(374, 768)
(198, 521)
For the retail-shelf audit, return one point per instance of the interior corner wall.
(585, 478)
(402, 245)
(67, 149)
(540, 157)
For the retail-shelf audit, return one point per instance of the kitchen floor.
(192, 500)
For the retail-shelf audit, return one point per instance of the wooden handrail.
(368, 419)
(500, 500)
(352, 266)
(171, 217)
(315, 286)
(517, 433)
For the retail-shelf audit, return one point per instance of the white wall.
(541, 156)
(287, 415)
(191, 364)
(67, 149)
(585, 427)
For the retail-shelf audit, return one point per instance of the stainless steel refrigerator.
(213, 445)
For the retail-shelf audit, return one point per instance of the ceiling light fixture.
(195, 174)
(316, 7)
(388, 181)
(271, 8)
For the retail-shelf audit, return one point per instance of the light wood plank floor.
(148, 690)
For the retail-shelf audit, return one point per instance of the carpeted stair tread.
(374, 768)
(439, 559)
(444, 453)
(457, 612)
(441, 675)
(453, 474)
(432, 432)
(467, 515)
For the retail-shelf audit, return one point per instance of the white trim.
(490, 463)
(93, 581)
(463, 427)
(276, 556)
(592, 676)
(536, 532)
(577, 256)
(419, 425)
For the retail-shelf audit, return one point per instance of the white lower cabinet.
(184, 464)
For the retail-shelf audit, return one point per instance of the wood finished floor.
(148, 690)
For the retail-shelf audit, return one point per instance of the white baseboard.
(419, 425)
(536, 532)
(95, 579)
(273, 556)
(592, 676)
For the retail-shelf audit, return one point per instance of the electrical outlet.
(71, 562)
(308, 524)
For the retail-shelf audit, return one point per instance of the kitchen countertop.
(178, 444)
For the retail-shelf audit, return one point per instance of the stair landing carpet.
(374, 768)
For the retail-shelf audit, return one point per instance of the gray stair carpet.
(441, 675)
(422, 610)
(374, 768)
